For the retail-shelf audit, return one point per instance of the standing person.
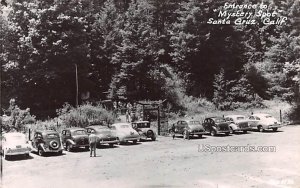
(173, 130)
(93, 143)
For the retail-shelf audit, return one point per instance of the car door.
(252, 121)
(180, 127)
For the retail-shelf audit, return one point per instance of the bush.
(294, 114)
(84, 115)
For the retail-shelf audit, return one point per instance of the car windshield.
(52, 135)
(122, 126)
(194, 122)
(79, 132)
(240, 118)
(143, 125)
(219, 120)
(101, 128)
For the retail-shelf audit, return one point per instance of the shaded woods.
(145, 50)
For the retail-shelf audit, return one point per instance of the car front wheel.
(69, 147)
(260, 129)
(186, 135)
(41, 152)
(213, 133)
(231, 130)
(135, 141)
(275, 129)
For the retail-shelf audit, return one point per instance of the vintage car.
(125, 132)
(144, 129)
(238, 123)
(105, 134)
(216, 125)
(75, 137)
(15, 144)
(46, 141)
(263, 122)
(187, 128)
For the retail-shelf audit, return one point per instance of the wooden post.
(280, 116)
(76, 85)
(158, 120)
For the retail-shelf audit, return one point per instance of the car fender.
(41, 145)
(69, 141)
(233, 126)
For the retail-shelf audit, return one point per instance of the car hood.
(126, 131)
(106, 133)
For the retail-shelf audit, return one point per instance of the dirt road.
(168, 163)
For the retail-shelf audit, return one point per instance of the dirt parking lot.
(167, 163)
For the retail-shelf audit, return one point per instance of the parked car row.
(225, 125)
(50, 141)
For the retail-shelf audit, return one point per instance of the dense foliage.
(145, 50)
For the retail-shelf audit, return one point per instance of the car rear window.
(143, 125)
(52, 135)
(220, 120)
(194, 122)
(80, 132)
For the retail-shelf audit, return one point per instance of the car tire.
(231, 130)
(245, 132)
(200, 135)
(171, 133)
(275, 129)
(60, 152)
(135, 141)
(260, 128)
(186, 135)
(6, 157)
(87, 148)
(213, 133)
(111, 145)
(69, 147)
(227, 133)
(153, 138)
(27, 155)
(41, 152)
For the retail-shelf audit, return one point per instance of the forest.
(178, 50)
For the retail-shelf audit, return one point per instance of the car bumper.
(108, 141)
(17, 153)
(53, 151)
(81, 145)
(273, 126)
(197, 132)
(222, 131)
(129, 139)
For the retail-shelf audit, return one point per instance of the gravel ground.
(167, 163)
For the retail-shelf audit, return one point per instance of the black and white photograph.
(150, 93)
